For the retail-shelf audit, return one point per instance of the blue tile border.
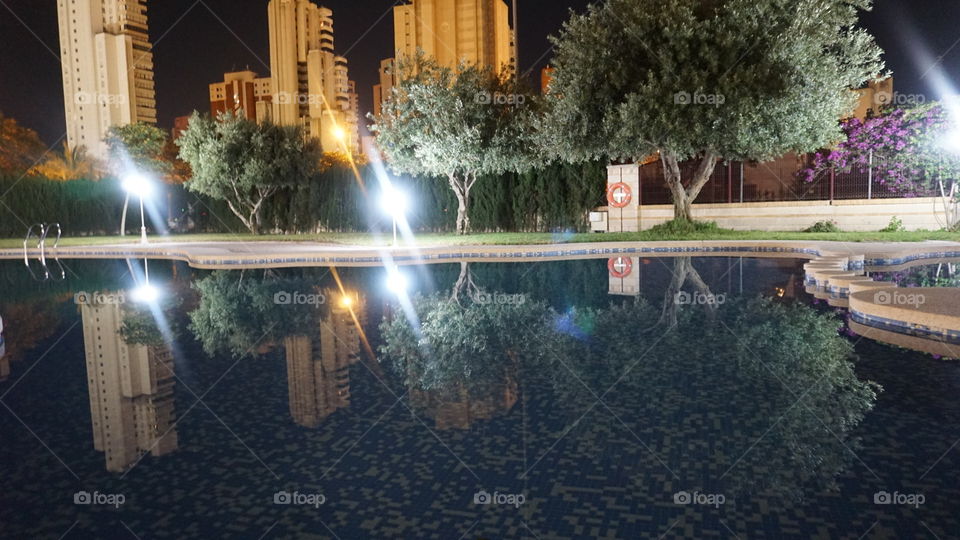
(906, 328)
(550, 252)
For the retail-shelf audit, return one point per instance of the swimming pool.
(682, 398)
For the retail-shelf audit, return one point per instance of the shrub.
(896, 225)
(827, 226)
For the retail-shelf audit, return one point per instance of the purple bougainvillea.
(904, 147)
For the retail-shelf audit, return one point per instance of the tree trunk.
(683, 197)
(461, 187)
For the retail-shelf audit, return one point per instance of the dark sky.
(196, 41)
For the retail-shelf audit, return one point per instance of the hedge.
(557, 197)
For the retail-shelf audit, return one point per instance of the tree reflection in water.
(750, 395)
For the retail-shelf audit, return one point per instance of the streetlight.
(396, 281)
(138, 185)
(394, 203)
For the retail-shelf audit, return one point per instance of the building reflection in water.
(131, 387)
(318, 365)
(457, 408)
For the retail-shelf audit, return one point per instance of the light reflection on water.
(685, 398)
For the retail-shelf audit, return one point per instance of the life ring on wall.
(620, 267)
(619, 195)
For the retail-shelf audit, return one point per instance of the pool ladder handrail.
(42, 246)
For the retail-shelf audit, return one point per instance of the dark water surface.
(692, 398)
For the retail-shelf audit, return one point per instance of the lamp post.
(394, 203)
(138, 185)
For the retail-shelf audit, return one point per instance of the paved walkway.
(213, 255)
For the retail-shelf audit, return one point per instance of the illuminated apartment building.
(243, 94)
(107, 67)
(318, 374)
(130, 387)
(452, 32)
(310, 83)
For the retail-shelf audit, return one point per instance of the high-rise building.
(388, 79)
(318, 375)
(456, 408)
(107, 64)
(243, 94)
(310, 82)
(452, 32)
(130, 386)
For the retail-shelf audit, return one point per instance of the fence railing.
(776, 180)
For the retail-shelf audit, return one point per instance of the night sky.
(196, 41)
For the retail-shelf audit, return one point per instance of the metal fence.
(775, 180)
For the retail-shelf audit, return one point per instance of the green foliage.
(679, 228)
(734, 80)
(683, 386)
(244, 163)
(239, 315)
(450, 124)
(20, 147)
(137, 147)
(827, 226)
(895, 225)
(468, 344)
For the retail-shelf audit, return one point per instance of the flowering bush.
(904, 147)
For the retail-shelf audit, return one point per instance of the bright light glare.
(137, 184)
(952, 142)
(397, 282)
(146, 294)
(346, 301)
(394, 202)
(338, 133)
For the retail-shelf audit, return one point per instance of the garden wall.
(850, 215)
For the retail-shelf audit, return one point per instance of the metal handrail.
(27, 239)
(45, 230)
(42, 246)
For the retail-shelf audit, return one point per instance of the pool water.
(684, 398)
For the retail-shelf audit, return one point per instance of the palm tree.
(73, 164)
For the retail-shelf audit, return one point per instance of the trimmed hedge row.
(556, 197)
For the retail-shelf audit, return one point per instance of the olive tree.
(455, 124)
(705, 80)
(244, 163)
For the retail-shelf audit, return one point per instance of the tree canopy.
(20, 147)
(731, 79)
(138, 146)
(244, 163)
(455, 124)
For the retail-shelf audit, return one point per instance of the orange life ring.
(619, 195)
(620, 267)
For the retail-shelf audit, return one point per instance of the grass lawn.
(439, 239)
